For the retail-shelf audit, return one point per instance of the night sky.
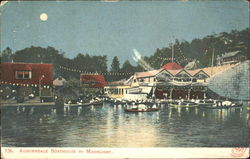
(101, 28)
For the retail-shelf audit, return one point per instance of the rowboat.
(183, 104)
(141, 108)
(205, 103)
(223, 105)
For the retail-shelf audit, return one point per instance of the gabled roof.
(182, 71)
(147, 74)
(174, 72)
(172, 66)
(193, 65)
(195, 72)
(162, 70)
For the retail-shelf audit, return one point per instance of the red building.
(26, 74)
(26, 78)
(92, 80)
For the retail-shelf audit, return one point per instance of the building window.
(201, 76)
(23, 74)
(141, 80)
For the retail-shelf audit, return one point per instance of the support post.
(39, 83)
(171, 93)
(189, 90)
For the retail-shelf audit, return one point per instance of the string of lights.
(99, 73)
(24, 85)
(178, 59)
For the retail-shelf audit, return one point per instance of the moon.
(43, 17)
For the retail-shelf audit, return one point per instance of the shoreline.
(26, 104)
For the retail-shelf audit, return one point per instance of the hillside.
(202, 49)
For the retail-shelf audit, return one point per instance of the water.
(110, 126)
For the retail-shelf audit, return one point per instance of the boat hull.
(222, 107)
(142, 110)
(183, 106)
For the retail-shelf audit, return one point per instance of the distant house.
(92, 81)
(230, 58)
(25, 78)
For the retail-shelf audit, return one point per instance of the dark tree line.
(184, 52)
(202, 49)
(82, 62)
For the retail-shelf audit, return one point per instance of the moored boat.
(205, 103)
(186, 104)
(248, 108)
(96, 101)
(224, 105)
(141, 108)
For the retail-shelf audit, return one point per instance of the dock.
(26, 104)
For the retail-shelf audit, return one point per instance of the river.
(109, 126)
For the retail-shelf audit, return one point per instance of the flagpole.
(172, 53)
(212, 62)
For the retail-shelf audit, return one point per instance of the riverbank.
(27, 102)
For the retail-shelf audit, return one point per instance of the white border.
(79, 153)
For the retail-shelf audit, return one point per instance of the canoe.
(141, 110)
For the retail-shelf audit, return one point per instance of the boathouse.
(172, 81)
(92, 85)
(92, 81)
(23, 79)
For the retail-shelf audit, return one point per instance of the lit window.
(23, 74)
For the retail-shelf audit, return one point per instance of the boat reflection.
(110, 126)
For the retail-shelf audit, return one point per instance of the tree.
(6, 55)
(115, 66)
(127, 67)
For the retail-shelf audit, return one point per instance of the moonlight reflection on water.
(110, 126)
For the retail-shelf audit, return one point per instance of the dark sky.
(101, 28)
